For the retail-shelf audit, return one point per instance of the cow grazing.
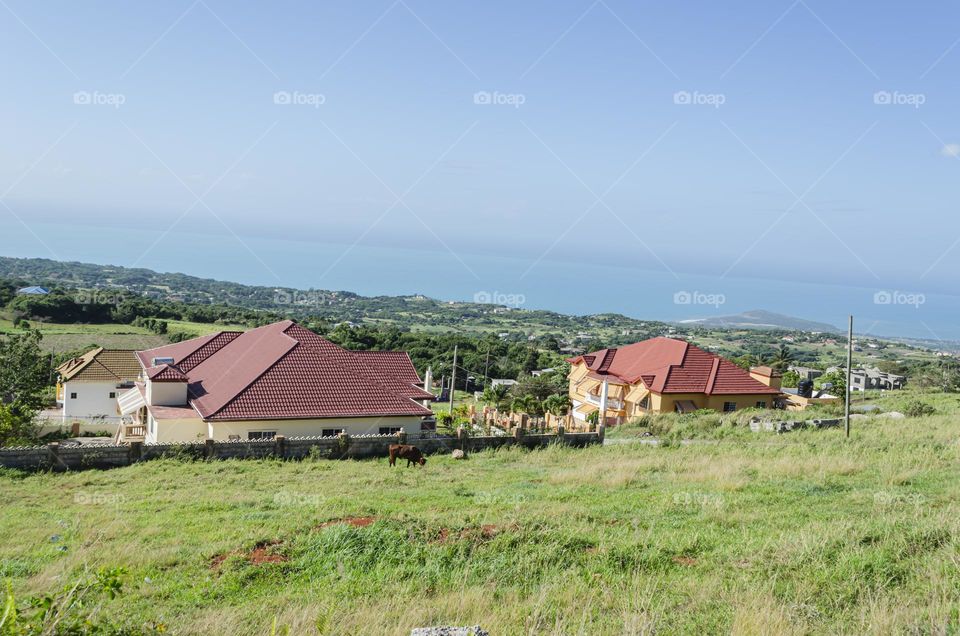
(405, 451)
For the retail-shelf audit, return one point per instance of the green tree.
(496, 396)
(557, 404)
(782, 358)
(790, 379)
(24, 370)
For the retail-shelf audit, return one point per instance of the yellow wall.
(296, 428)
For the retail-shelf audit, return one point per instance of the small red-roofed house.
(664, 375)
(279, 379)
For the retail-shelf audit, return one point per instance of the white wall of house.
(167, 393)
(90, 399)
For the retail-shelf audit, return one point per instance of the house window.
(389, 430)
(73, 396)
(761, 404)
(331, 432)
(729, 407)
(645, 402)
(261, 434)
(113, 394)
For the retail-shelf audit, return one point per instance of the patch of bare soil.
(263, 552)
(685, 560)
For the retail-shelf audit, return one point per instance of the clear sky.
(804, 141)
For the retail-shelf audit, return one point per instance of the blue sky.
(790, 141)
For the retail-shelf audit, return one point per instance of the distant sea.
(563, 286)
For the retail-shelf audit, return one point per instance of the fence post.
(600, 431)
(560, 433)
(56, 462)
(135, 452)
(280, 446)
(463, 436)
(209, 450)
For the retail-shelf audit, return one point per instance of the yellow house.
(664, 375)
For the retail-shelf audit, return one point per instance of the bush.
(916, 408)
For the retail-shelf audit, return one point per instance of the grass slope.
(800, 533)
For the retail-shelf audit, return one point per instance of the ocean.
(565, 286)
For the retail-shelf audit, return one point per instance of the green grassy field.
(745, 533)
(59, 338)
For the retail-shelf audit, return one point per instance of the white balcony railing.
(612, 403)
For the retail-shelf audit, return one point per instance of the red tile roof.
(668, 365)
(283, 371)
(166, 373)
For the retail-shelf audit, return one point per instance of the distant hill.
(760, 319)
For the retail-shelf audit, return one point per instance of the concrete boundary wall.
(57, 457)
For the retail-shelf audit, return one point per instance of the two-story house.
(664, 375)
(88, 386)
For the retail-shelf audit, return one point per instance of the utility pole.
(486, 369)
(453, 378)
(849, 366)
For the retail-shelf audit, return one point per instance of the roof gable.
(101, 365)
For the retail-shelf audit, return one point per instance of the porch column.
(604, 390)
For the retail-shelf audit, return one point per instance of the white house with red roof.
(279, 379)
(664, 375)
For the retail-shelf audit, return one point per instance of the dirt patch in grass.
(356, 522)
(480, 534)
(686, 561)
(262, 552)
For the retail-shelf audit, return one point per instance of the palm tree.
(557, 404)
(496, 396)
(782, 358)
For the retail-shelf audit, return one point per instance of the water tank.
(805, 388)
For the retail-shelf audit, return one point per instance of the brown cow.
(405, 451)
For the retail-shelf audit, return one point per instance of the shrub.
(916, 408)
